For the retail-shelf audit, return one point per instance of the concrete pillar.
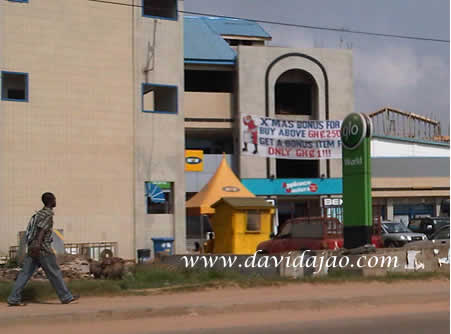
(323, 168)
(438, 202)
(390, 210)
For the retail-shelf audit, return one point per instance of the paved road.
(363, 308)
(359, 319)
(436, 323)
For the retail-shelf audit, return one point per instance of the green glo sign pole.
(356, 132)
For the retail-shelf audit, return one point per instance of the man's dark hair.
(47, 198)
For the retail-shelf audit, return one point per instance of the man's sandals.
(74, 299)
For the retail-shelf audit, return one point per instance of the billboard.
(290, 187)
(194, 160)
(290, 139)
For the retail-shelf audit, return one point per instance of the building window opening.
(217, 141)
(159, 98)
(253, 221)
(297, 168)
(193, 227)
(15, 86)
(209, 81)
(236, 42)
(159, 197)
(166, 9)
(296, 93)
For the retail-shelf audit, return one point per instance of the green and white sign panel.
(356, 161)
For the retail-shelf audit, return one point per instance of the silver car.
(441, 237)
(396, 234)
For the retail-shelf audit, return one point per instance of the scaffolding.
(396, 123)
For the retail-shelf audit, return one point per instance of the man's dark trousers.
(52, 271)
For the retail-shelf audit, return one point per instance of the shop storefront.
(323, 197)
(296, 197)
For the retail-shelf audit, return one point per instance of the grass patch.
(161, 277)
(149, 279)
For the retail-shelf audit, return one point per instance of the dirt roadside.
(194, 323)
(234, 301)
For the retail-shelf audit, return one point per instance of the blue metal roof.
(203, 45)
(236, 27)
(203, 41)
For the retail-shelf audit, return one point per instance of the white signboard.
(332, 202)
(290, 139)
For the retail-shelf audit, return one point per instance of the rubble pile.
(8, 274)
(110, 268)
(75, 267)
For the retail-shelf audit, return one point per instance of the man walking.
(40, 254)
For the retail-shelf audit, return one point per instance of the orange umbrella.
(224, 183)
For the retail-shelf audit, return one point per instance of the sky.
(409, 75)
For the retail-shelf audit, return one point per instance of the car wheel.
(391, 244)
(106, 253)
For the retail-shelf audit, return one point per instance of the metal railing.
(93, 250)
(13, 251)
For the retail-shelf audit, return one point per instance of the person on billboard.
(250, 133)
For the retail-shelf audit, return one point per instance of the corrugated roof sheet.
(203, 41)
(413, 140)
(226, 26)
(203, 44)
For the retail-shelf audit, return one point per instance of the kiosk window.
(253, 221)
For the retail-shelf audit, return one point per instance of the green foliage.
(5, 289)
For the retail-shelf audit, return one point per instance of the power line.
(325, 28)
(295, 25)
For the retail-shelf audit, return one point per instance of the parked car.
(414, 225)
(312, 233)
(376, 235)
(428, 225)
(441, 237)
(396, 234)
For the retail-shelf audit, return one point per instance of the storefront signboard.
(291, 187)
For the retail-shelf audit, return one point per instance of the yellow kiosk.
(239, 219)
(240, 224)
